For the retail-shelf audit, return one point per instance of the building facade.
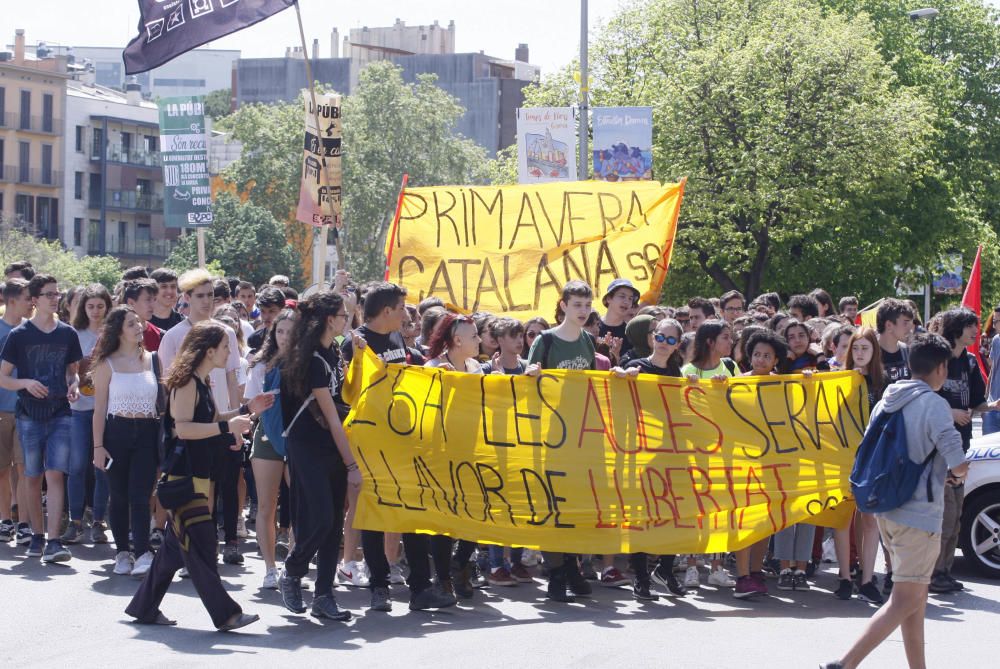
(32, 108)
(113, 194)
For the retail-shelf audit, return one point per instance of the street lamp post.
(584, 95)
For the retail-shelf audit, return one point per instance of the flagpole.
(320, 234)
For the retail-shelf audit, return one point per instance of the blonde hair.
(193, 278)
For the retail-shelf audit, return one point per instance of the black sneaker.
(799, 581)
(786, 580)
(231, 555)
(381, 600)
(291, 592)
(668, 582)
(23, 535)
(577, 582)
(940, 583)
(37, 545)
(810, 569)
(869, 593)
(845, 590)
(325, 606)
(8, 530)
(556, 589)
(955, 585)
(640, 591)
(56, 552)
(887, 584)
(431, 598)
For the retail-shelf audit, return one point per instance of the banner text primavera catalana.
(586, 462)
(509, 249)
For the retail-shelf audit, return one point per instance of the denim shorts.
(46, 444)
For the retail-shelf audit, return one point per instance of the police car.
(980, 538)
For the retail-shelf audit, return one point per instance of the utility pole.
(583, 166)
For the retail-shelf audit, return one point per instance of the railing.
(31, 176)
(157, 248)
(48, 125)
(127, 199)
(8, 120)
(115, 154)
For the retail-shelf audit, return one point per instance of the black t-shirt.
(616, 331)
(256, 340)
(896, 365)
(964, 389)
(307, 426)
(166, 323)
(647, 367)
(42, 356)
(390, 347)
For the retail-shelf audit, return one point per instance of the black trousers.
(319, 487)
(132, 445)
(640, 565)
(417, 548)
(190, 542)
(230, 469)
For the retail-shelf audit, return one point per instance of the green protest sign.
(187, 193)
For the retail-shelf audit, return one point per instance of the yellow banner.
(509, 249)
(586, 462)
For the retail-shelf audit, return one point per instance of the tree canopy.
(50, 257)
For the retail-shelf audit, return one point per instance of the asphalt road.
(72, 616)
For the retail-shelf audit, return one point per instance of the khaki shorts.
(10, 446)
(913, 552)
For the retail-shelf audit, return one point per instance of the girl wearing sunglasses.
(664, 360)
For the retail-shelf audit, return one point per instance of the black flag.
(168, 28)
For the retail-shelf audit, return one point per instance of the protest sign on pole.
(623, 143)
(585, 462)
(509, 249)
(319, 190)
(187, 192)
(546, 145)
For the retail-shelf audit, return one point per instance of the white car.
(980, 537)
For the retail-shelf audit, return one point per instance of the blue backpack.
(884, 477)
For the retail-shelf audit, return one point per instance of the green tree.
(390, 128)
(245, 239)
(51, 258)
(218, 103)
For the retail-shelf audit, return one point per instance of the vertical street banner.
(319, 192)
(623, 143)
(187, 193)
(546, 145)
(168, 28)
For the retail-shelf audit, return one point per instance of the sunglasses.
(665, 339)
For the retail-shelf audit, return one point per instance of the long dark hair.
(704, 340)
(111, 336)
(305, 339)
(268, 352)
(202, 337)
(94, 291)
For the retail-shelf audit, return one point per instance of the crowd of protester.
(237, 388)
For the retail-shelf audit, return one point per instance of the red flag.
(972, 299)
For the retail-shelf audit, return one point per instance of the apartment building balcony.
(127, 199)
(31, 176)
(150, 248)
(134, 157)
(43, 125)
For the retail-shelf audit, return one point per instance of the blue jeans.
(46, 444)
(81, 458)
(496, 556)
(991, 422)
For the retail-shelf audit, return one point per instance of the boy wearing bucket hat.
(618, 299)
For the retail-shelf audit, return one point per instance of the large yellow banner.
(586, 462)
(509, 249)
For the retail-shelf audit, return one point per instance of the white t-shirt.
(171, 344)
(255, 381)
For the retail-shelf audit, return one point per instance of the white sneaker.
(270, 579)
(123, 564)
(241, 528)
(529, 558)
(396, 574)
(721, 579)
(143, 564)
(691, 578)
(352, 574)
(183, 572)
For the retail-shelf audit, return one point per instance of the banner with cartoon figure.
(322, 174)
(546, 145)
(623, 143)
(585, 462)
